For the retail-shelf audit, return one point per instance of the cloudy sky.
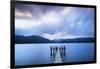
(54, 22)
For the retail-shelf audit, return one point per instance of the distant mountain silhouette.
(39, 39)
(75, 40)
(30, 39)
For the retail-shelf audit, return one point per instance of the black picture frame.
(12, 31)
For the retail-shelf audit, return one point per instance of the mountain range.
(38, 39)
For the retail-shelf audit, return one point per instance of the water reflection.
(28, 54)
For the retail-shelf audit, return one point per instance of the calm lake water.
(31, 54)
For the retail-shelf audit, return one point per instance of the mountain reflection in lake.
(31, 54)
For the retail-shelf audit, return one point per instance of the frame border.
(12, 35)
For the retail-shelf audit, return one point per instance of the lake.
(31, 54)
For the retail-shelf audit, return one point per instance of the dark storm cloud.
(33, 11)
